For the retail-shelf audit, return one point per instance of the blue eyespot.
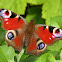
(40, 46)
(10, 36)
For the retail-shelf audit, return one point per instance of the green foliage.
(6, 54)
(35, 13)
(36, 2)
(18, 6)
(56, 21)
(49, 11)
(47, 57)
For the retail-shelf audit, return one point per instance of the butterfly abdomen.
(30, 29)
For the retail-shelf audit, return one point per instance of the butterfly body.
(20, 33)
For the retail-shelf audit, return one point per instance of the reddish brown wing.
(43, 36)
(49, 34)
(15, 25)
(10, 20)
(15, 38)
(35, 45)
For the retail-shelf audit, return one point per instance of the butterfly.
(20, 33)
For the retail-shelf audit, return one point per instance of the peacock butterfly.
(20, 33)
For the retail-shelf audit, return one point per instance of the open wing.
(36, 46)
(10, 20)
(15, 25)
(48, 34)
(42, 37)
(15, 38)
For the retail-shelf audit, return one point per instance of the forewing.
(10, 20)
(48, 34)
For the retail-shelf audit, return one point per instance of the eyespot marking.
(7, 12)
(10, 36)
(57, 31)
(40, 46)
